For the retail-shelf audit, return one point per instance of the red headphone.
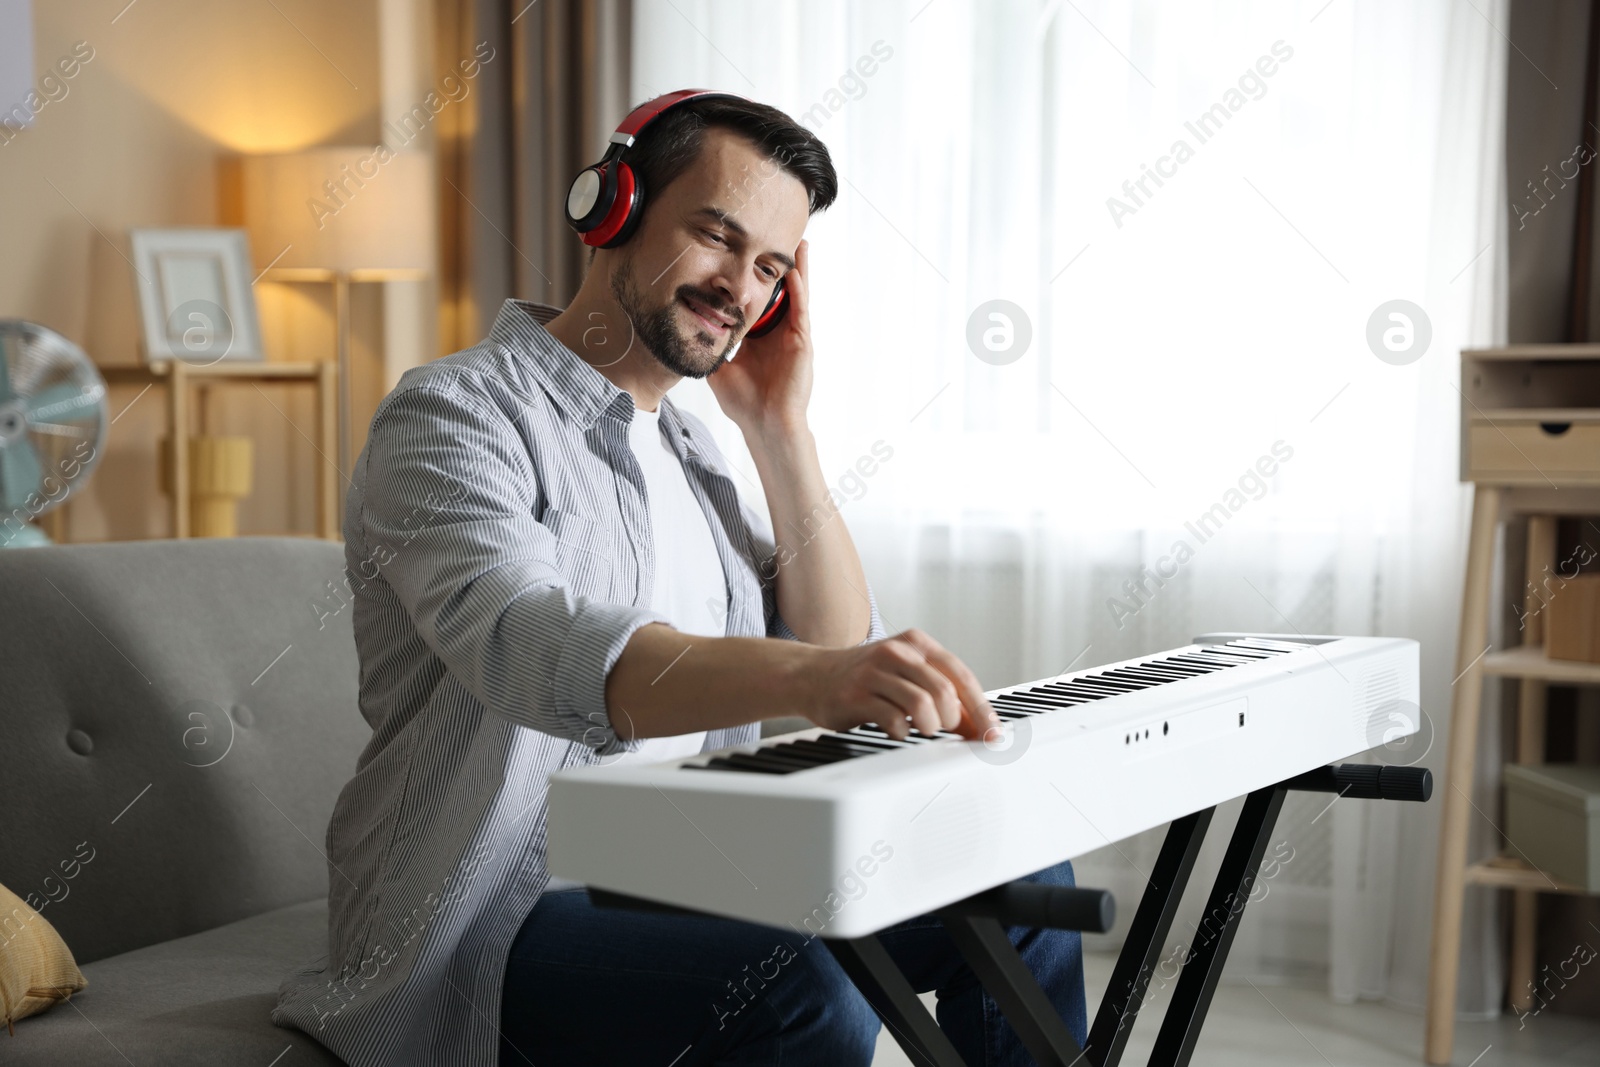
(606, 200)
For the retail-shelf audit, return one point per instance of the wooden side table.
(179, 376)
(1530, 444)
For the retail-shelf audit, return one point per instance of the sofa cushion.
(36, 968)
(205, 999)
(181, 715)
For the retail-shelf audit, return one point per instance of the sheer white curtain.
(1186, 332)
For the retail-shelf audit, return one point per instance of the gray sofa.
(182, 713)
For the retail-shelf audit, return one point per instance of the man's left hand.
(766, 387)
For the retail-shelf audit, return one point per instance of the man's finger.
(977, 714)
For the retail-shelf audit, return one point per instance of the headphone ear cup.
(777, 307)
(590, 197)
(628, 217)
(610, 216)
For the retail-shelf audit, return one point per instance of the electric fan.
(52, 426)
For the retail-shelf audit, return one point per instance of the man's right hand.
(902, 682)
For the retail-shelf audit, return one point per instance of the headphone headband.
(645, 113)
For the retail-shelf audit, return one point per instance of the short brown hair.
(672, 143)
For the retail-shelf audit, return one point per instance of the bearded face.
(671, 328)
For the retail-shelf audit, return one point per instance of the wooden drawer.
(1530, 451)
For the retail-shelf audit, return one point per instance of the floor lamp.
(340, 215)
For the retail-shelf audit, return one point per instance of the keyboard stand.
(978, 924)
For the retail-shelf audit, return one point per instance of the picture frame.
(16, 67)
(196, 302)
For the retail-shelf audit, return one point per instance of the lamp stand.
(341, 314)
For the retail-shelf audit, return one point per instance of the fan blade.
(63, 429)
(19, 472)
(69, 400)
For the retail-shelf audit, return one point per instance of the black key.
(1267, 648)
(1029, 707)
(1050, 691)
(1235, 654)
(854, 741)
(1114, 683)
(1168, 667)
(1032, 704)
(1196, 660)
(764, 759)
(1155, 677)
(1054, 699)
(731, 763)
(783, 753)
(915, 736)
(1107, 688)
(1224, 650)
(1072, 689)
(829, 753)
(1227, 660)
(1238, 650)
(1133, 674)
(846, 747)
(1121, 674)
(912, 738)
(1097, 686)
(1082, 685)
(1064, 700)
(1027, 698)
(1126, 680)
(1090, 685)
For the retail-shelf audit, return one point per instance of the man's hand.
(766, 387)
(904, 681)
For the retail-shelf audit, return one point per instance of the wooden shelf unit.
(178, 376)
(1530, 444)
(1506, 871)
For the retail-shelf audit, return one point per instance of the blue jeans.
(587, 985)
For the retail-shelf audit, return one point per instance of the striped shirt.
(497, 550)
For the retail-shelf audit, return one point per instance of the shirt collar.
(580, 391)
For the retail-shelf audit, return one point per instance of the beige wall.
(175, 87)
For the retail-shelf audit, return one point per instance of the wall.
(173, 88)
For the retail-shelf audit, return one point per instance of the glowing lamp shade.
(363, 210)
(342, 215)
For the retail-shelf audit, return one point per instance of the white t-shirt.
(690, 587)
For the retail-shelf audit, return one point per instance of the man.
(552, 568)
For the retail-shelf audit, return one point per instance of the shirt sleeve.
(767, 571)
(447, 508)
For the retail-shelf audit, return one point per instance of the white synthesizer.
(845, 833)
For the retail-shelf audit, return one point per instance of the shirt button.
(686, 431)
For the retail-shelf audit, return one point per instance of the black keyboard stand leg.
(1000, 970)
(1180, 1029)
(880, 980)
(1119, 1008)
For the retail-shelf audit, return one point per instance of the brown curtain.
(541, 109)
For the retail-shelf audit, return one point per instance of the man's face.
(702, 265)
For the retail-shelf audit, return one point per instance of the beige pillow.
(36, 968)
